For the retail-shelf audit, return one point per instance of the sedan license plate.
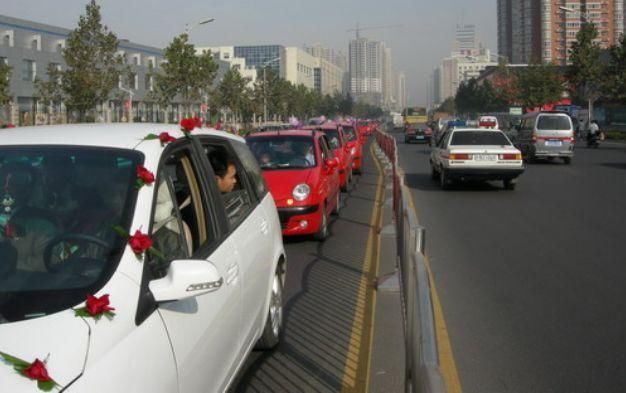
(554, 143)
(420, 137)
(485, 157)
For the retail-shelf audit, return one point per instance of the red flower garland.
(189, 124)
(144, 176)
(165, 138)
(139, 243)
(35, 371)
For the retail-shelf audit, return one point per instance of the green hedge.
(615, 135)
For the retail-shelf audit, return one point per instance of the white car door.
(251, 233)
(204, 330)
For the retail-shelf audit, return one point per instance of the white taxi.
(462, 154)
(124, 264)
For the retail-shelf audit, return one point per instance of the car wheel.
(274, 323)
(338, 205)
(444, 182)
(567, 160)
(322, 231)
(509, 184)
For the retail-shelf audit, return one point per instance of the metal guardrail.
(422, 358)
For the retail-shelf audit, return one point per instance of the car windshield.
(349, 132)
(553, 122)
(333, 138)
(480, 138)
(60, 208)
(283, 152)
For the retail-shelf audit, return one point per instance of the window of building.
(135, 81)
(28, 70)
(7, 39)
(148, 85)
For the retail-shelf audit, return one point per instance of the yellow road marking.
(447, 364)
(353, 380)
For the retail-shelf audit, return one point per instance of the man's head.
(225, 170)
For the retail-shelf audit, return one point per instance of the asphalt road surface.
(532, 282)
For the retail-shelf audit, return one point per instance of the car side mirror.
(186, 279)
(332, 163)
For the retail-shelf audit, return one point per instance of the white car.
(475, 154)
(79, 211)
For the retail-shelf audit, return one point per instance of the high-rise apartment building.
(402, 94)
(466, 42)
(366, 63)
(543, 30)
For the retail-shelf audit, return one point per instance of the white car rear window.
(479, 138)
(554, 122)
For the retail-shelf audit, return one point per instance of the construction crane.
(359, 29)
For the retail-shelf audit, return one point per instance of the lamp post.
(264, 88)
(189, 27)
(130, 102)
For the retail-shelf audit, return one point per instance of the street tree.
(615, 72)
(586, 71)
(184, 73)
(232, 95)
(448, 106)
(5, 92)
(92, 63)
(539, 84)
(50, 91)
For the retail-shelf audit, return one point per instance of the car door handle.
(265, 228)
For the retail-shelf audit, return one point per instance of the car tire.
(444, 181)
(509, 184)
(274, 322)
(322, 231)
(567, 160)
(338, 205)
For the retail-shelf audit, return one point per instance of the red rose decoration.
(37, 371)
(166, 138)
(188, 125)
(96, 306)
(139, 242)
(144, 176)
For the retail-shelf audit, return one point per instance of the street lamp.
(264, 65)
(189, 27)
(130, 102)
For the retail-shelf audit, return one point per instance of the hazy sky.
(426, 34)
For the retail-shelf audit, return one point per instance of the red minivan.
(355, 143)
(302, 176)
(337, 142)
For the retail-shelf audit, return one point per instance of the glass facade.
(258, 55)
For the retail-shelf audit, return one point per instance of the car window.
(349, 133)
(334, 139)
(283, 151)
(238, 200)
(252, 168)
(57, 224)
(179, 222)
(553, 122)
(325, 149)
(442, 138)
(468, 138)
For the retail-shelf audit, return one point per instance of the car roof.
(321, 127)
(284, 133)
(115, 135)
(475, 130)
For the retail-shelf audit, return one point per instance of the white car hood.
(62, 338)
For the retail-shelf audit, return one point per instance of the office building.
(259, 56)
(29, 47)
(544, 30)
(227, 54)
(366, 61)
(402, 93)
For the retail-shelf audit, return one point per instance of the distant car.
(463, 154)
(546, 135)
(302, 176)
(338, 144)
(77, 222)
(490, 122)
(355, 143)
(417, 133)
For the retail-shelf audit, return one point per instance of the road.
(328, 304)
(532, 282)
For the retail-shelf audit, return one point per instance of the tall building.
(227, 54)
(331, 73)
(533, 30)
(330, 55)
(466, 42)
(388, 79)
(402, 94)
(366, 70)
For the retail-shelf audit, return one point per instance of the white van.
(546, 135)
